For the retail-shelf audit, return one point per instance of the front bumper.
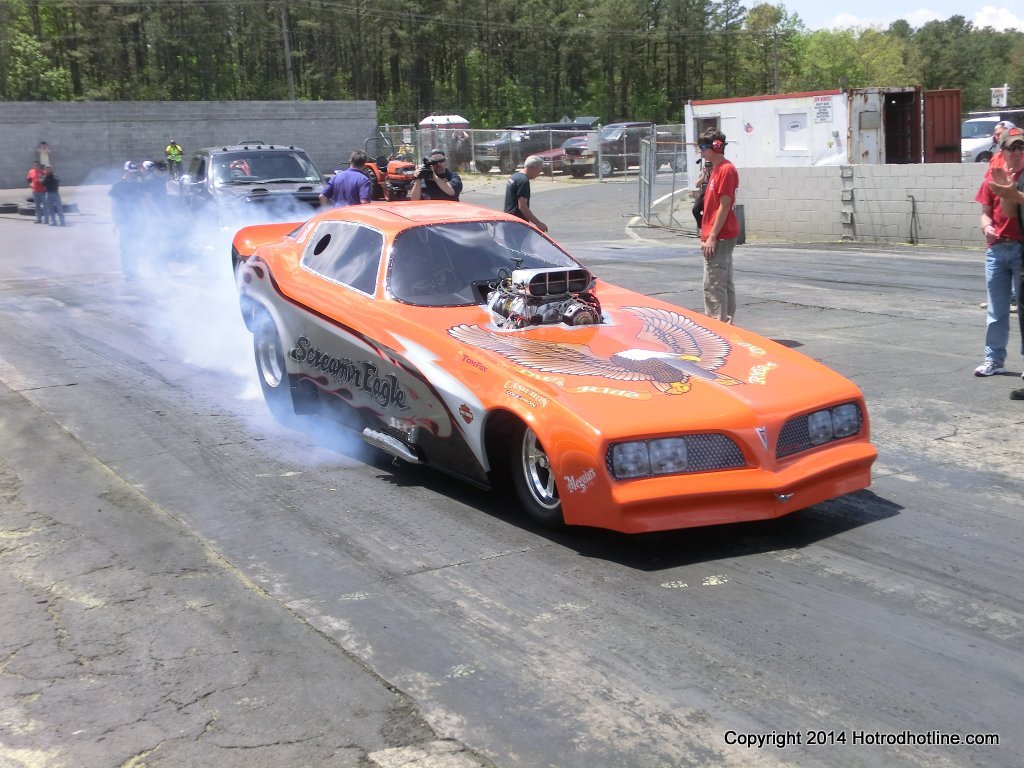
(729, 496)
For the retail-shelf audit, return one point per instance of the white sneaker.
(989, 368)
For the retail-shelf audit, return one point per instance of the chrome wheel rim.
(540, 480)
(268, 350)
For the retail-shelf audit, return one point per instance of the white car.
(976, 145)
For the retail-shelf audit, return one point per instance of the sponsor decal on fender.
(466, 413)
(580, 482)
(361, 375)
(532, 396)
(476, 364)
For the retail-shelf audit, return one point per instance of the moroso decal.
(360, 374)
(689, 350)
(580, 482)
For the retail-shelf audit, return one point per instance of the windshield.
(611, 132)
(980, 129)
(262, 167)
(454, 264)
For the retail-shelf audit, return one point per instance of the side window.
(346, 253)
(198, 169)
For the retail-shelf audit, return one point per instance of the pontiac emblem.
(762, 433)
(466, 413)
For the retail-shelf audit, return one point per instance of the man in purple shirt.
(349, 187)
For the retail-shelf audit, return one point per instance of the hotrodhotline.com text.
(783, 739)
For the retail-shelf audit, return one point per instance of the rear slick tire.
(270, 367)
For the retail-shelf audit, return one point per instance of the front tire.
(270, 367)
(534, 480)
(606, 168)
(507, 165)
(483, 167)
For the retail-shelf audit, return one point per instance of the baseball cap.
(131, 165)
(1011, 136)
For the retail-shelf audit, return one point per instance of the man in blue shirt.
(349, 187)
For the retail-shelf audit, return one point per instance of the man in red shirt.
(1005, 243)
(34, 177)
(719, 228)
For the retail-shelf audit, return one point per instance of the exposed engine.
(544, 297)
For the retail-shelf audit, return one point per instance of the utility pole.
(287, 51)
(775, 61)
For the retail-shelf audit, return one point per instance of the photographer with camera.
(434, 181)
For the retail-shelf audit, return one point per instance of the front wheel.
(507, 164)
(606, 168)
(483, 167)
(983, 157)
(534, 480)
(271, 369)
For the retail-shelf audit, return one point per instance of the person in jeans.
(34, 177)
(54, 206)
(1005, 246)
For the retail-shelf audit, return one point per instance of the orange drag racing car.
(463, 338)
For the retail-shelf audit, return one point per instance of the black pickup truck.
(515, 143)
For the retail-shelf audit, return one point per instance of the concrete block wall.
(92, 140)
(879, 203)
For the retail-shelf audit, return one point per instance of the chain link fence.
(577, 151)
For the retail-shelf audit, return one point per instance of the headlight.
(833, 423)
(819, 427)
(801, 433)
(845, 420)
(630, 460)
(668, 456)
(673, 456)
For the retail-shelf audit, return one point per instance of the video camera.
(426, 171)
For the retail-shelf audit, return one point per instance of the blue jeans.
(39, 198)
(1002, 274)
(54, 208)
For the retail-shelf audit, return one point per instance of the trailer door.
(942, 126)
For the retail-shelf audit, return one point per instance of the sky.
(1000, 15)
